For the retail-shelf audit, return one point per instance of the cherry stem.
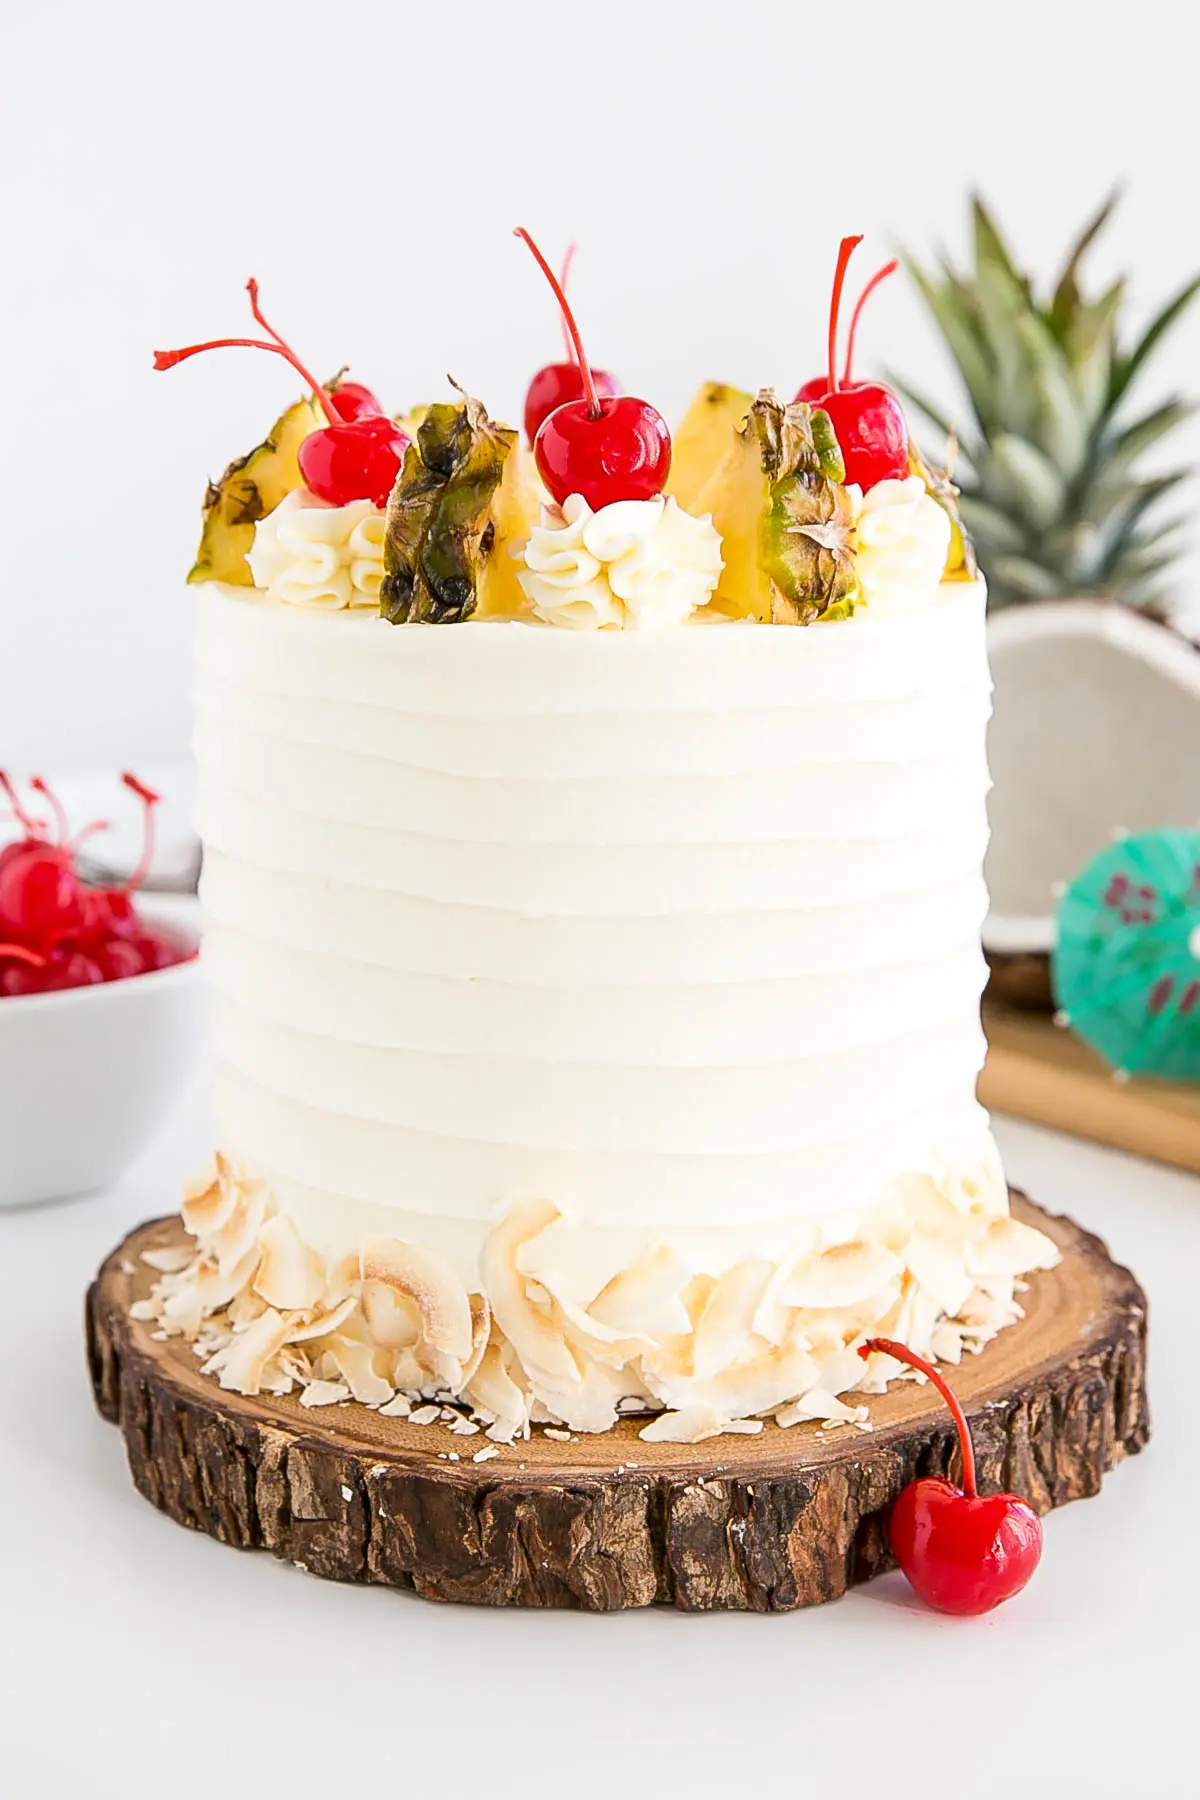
(846, 250)
(30, 826)
(877, 277)
(167, 359)
(901, 1352)
(149, 800)
(81, 837)
(595, 410)
(563, 277)
(19, 953)
(39, 786)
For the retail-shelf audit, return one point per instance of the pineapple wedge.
(251, 487)
(961, 564)
(461, 499)
(785, 518)
(702, 438)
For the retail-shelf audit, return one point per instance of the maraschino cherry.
(357, 456)
(57, 932)
(867, 418)
(615, 448)
(963, 1551)
(559, 382)
(351, 400)
(812, 391)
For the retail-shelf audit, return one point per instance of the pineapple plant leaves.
(1053, 486)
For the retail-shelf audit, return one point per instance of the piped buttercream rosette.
(637, 564)
(309, 553)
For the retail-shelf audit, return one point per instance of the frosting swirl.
(637, 564)
(902, 540)
(309, 553)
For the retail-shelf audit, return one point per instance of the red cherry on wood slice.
(354, 457)
(867, 418)
(606, 449)
(964, 1552)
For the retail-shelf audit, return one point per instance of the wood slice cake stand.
(763, 1523)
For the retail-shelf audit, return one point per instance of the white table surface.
(139, 1659)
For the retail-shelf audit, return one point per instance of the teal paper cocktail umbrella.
(1126, 962)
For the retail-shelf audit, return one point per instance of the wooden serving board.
(1037, 1070)
(763, 1524)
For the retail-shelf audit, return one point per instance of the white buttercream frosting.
(309, 553)
(902, 537)
(678, 929)
(634, 564)
(572, 959)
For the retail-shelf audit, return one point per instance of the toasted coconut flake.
(341, 1280)
(398, 1407)
(428, 1280)
(289, 1275)
(818, 1403)
(1009, 1247)
(169, 1261)
(408, 1373)
(426, 1415)
(239, 1366)
(237, 1236)
(774, 1319)
(494, 1394)
(539, 1343)
(947, 1342)
(209, 1200)
(302, 1330)
(592, 1404)
(324, 1393)
(245, 1307)
(393, 1319)
(724, 1326)
(644, 1299)
(938, 1264)
(842, 1275)
(690, 1425)
(758, 1386)
(355, 1363)
(481, 1331)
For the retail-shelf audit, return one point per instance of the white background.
(367, 163)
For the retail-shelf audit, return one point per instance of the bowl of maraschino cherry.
(100, 1006)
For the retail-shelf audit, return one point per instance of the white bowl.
(87, 1076)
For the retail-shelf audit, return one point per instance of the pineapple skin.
(701, 439)
(460, 500)
(251, 487)
(785, 518)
